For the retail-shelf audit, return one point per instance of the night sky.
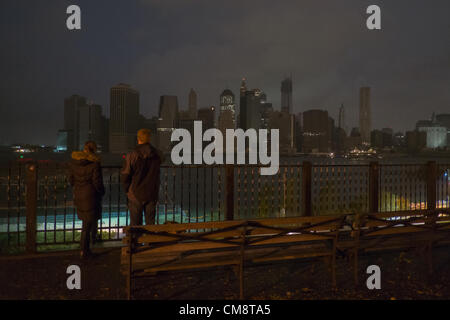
(168, 46)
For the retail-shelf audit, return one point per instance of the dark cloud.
(167, 47)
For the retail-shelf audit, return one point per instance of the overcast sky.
(168, 46)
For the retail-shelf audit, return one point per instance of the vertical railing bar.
(219, 190)
(204, 194)
(118, 204)
(46, 206)
(211, 204)
(65, 205)
(166, 201)
(174, 194)
(55, 208)
(119, 213)
(182, 193)
(110, 180)
(8, 228)
(18, 205)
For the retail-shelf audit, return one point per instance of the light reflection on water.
(110, 220)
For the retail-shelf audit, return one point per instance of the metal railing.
(36, 204)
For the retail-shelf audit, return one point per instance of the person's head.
(143, 136)
(90, 146)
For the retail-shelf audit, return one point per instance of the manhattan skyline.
(167, 48)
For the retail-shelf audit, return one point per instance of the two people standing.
(140, 176)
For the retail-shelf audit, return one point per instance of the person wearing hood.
(86, 179)
(140, 179)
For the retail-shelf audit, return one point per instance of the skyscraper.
(285, 123)
(341, 121)
(207, 116)
(192, 104)
(243, 88)
(250, 111)
(168, 121)
(316, 131)
(228, 105)
(286, 95)
(124, 118)
(71, 120)
(365, 123)
(90, 125)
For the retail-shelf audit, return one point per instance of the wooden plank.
(174, 227)
(393, 231)
(225, 224)
(201, 245)
(208, 259)
(251, 231)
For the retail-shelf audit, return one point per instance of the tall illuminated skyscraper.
(365, 121)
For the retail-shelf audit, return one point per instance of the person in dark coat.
(140, 178)
(87, 181)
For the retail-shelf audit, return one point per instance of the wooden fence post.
(229, 192)
(31, 206)
(306, 188)
(431, 184)
(374, 177)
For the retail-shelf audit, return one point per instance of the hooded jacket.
(140, 173)
(85, 176)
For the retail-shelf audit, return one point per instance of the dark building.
(286, 96)
(90, 125)
(105, 134)
(354, 140)
(167, 122)
(61, 140)
(340, 139)
(399, 140)
(444, 120)
(365, 121)
(207, 117)
(284, 122)
(341, 121)
(332, 135)
(298, 131)
(228, 107)
(250, 110)
(416, 140)
(376, 139)
(71, 120)
(388, 137)
(124, 118)
(316, 131)
(82, 122)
